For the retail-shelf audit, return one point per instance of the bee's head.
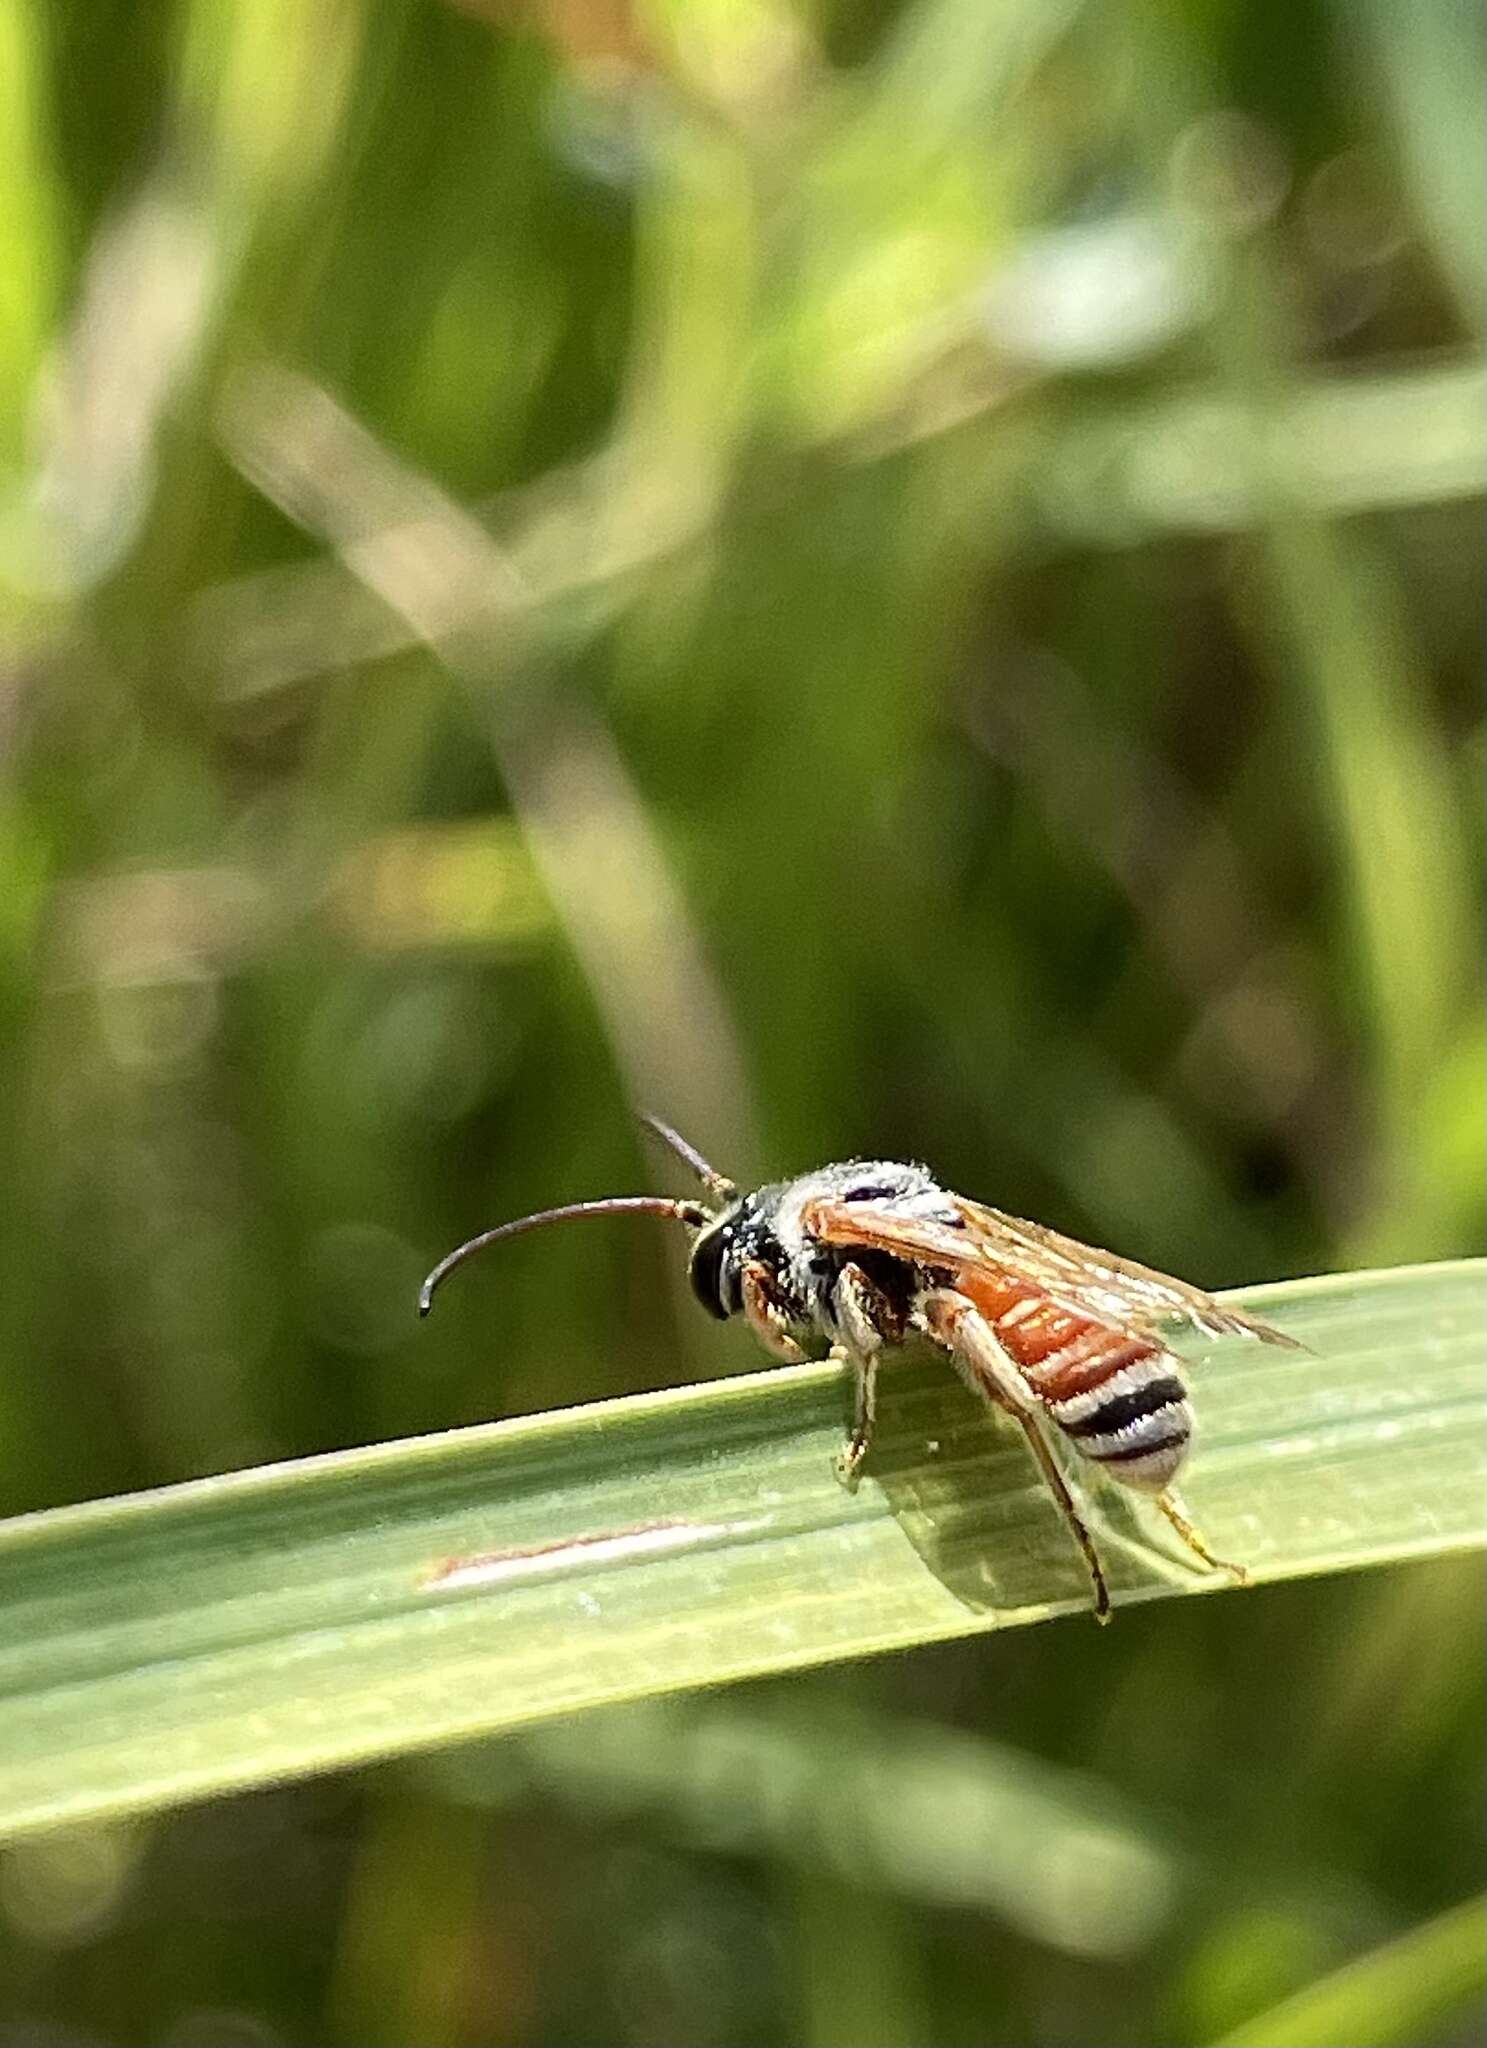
(710, 1268)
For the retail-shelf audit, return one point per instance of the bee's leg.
(864, 1413)
(1172, 1508)
(965, 1333)
(862, 1317)
(764, 1316)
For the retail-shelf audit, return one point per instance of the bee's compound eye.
(705, 1271)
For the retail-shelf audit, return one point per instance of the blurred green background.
(869, 577)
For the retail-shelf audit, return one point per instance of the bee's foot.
(849, 1465)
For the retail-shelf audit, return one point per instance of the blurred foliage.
(876, 577)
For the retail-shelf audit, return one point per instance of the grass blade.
(1395, 1995)
(268, 1623)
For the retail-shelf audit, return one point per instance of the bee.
(1066, 1340)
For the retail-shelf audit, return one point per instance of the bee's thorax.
(764, 1230)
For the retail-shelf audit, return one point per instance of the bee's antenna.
(718, 1185)
(691, 1213)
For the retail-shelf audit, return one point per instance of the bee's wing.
(876, 1228)
(1078, 1278)
(1096, 1283)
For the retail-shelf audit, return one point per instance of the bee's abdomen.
(1118, 1399)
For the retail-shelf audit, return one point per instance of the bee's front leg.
(861, 1314)
(764, 1316)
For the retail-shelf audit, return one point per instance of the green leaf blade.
(275, 1622)
(1388, 1998)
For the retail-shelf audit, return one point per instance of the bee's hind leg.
(1172, 1508)
(965, 1333)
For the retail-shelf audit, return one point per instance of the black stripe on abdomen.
(1105, 1417)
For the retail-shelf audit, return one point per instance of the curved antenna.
(718, 1185)
(690, 1213)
